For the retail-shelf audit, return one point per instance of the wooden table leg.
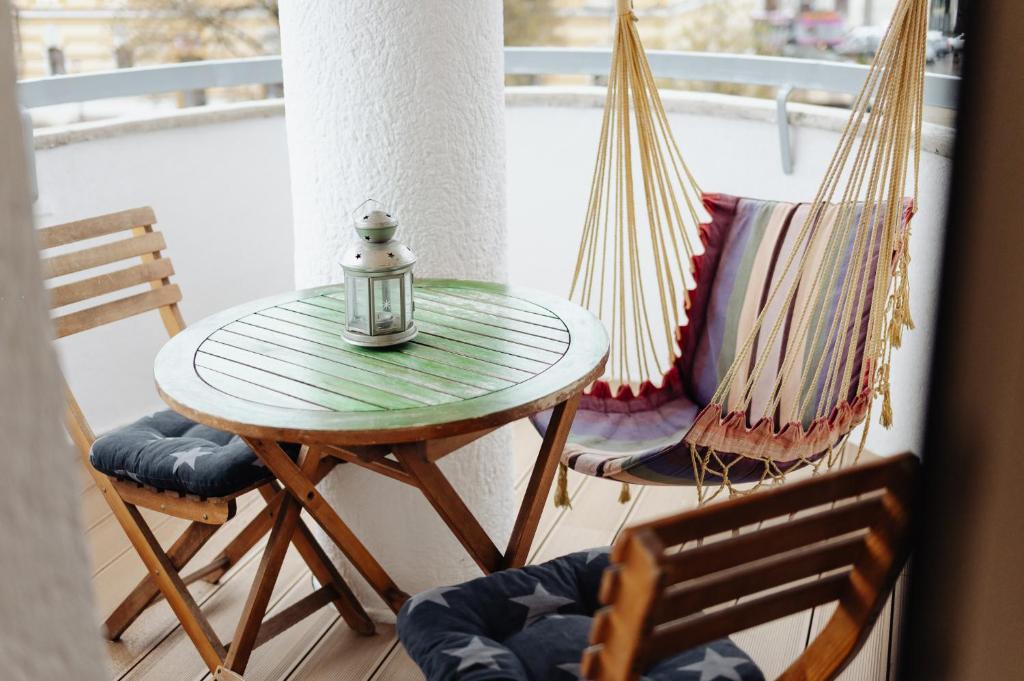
(449, 505)
(263, 586)
(323, 569)
(248, 537)
(532, 507)
(286, 521)
(453, 511)
(305, 492)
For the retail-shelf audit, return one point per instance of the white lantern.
(378, 282)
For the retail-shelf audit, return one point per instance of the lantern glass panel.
(357, 306)
(407, 285)
(387, 302)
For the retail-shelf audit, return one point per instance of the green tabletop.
(486, 354)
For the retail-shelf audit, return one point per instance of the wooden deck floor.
(322, 647)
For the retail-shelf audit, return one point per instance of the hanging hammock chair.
(759, 350)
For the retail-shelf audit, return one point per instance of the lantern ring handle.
(359, 208)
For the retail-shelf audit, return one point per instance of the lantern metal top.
(372, 257)
(376, 226)
(377, 250)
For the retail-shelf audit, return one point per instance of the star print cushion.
(461, 632)
(169, 452)
(532, 624)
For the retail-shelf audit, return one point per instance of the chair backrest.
(72, 252)
(686, 580)
(143, 242)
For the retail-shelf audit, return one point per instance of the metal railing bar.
(802, 74)
(782, 116)
(148, 80)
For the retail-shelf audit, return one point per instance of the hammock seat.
(666, 434)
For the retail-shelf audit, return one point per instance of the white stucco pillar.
(402, 101)
(48, 629)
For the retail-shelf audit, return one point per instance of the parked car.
(861, 41)
(864, 41)
(939, 42)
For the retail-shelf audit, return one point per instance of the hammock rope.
(672, 208)
(854, 240)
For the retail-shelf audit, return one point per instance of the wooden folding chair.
(846, 538)
(63, 257)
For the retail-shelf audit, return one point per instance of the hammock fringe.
(562, 499)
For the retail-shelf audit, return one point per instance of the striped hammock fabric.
(665, 435)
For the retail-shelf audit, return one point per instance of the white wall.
(221, 193)
(48, 630)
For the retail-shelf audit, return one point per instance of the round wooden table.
(277, 371)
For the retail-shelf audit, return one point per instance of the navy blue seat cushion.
(169, 452)
(532, 624)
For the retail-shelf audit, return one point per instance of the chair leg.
(147, 591)
(193, 622)
(183, 550)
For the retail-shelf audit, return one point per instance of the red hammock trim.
(792, 442)
(649, 394)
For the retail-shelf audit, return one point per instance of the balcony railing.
(786, 75)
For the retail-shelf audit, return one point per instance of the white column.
(47, 625)
(402, 101)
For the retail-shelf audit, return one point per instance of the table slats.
(388, 387)
(454, 312)
(424, 314)
(495, 300)
(305, 373)
(470, 344)
(489, 362)
(500, 341)
(252, 392)
(327, 346)
(281, 384)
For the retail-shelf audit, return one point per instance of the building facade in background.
(56, 37)
(79, 36)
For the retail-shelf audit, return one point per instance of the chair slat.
(104, 254)
(790, 498)
(77, 291)
(115, 310)
(69, 232)
(694, 630)
(759, 576)
(211, 511)
(750, 546)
